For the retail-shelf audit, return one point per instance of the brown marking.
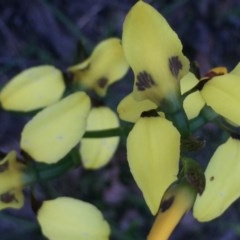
(166, 204)
(8, 197)
(211, 178)
(144, 81)
(175, 65)
(102, 82)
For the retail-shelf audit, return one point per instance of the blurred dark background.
(62, 32)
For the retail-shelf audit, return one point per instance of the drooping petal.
(222, 94)
(153, 148)
(67, 218)
(130, 110)
(105, 66)
(176, 202)
(33, 88)
(154, 52)
(54, 131)
(97, 152)
(194, 102)
(222, 182)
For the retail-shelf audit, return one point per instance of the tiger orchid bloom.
(106, 65)
(154, 52)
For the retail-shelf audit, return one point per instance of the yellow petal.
(194, 102)
(54, 131)
(154, 52)
(153, 148)
(222, 187)
(222, 94)
(96, 153)
(177, 201)
(105, 66)
(130, 110)
(33, 88)
(12, 182)
(67, 218)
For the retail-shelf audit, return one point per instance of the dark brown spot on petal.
(8, 197)
(211, 178)
(175, 65)
(166, 204)
(144, 81)
(150, 113)
(4, 166)
(102, 82)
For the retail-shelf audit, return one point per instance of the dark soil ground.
(61, 32)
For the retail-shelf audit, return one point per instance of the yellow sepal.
(54, 131)
(153, 148)
(68, 218)
(221, 189)
(33, 88)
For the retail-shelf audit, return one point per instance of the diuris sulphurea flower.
(34, 88)
(154, 52)
(106, 65)
(222, 182)
(68, 218)
(153, 149)
(55, 130)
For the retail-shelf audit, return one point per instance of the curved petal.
(154, 52)
(96, 153)
(222, 94)
(222, 187)
(105, 66)
(67, 218)
(194, 102)
(153, 148)
(33, 88)
(54, 131)
(130, 110)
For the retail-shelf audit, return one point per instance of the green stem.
(206, 115)
(112, 132)
(43, 172)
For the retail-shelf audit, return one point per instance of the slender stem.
(207, 114)
(112, 132)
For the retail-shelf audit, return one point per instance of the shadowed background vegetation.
(63, 32)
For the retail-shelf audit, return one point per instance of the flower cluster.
(167, 105)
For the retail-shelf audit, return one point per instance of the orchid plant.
(168, 104)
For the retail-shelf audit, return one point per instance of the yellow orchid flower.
(153, 149)
(12, 181)
(154, 52)
(222, 187)
(222, 94)
(68, 218)
(176, 202)
(96, 153)
(130, 110)
(34, 88)
(194, 102)
(54, 131)
(105, 66)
